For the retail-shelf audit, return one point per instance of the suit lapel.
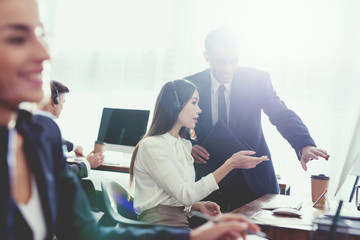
(34, 146)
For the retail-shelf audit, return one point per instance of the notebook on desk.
(283, 202)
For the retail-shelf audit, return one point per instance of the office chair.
(91, 194)
(118, 209)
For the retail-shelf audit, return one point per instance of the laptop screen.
(123, 126)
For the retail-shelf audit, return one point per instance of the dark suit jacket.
(78, 168)
(65, 206)
(251, 93)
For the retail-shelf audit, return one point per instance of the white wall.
(119, 53)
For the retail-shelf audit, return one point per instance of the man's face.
(59, 107)
(223, 62)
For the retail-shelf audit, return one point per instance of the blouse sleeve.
(158, 162)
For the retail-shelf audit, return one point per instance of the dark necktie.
(222, 104)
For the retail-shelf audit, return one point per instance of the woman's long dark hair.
(173, 96)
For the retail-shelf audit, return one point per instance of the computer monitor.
(352, 160)
(122, 129)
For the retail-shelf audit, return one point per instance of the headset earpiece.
(56, 100)
(177, 102)
(56, 97)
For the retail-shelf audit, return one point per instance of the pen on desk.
(215, 220)
(322, 195)
(335, 221)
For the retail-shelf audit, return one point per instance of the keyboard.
(283, 202)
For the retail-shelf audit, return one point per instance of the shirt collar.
(171, 138)
(178, 143)
(45, 113)
(216, 84)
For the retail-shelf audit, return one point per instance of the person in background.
(53, 109)
(39, 197)
(162, 165)
(237, 96)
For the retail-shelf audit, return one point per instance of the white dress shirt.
(33, 213)
(164, 174)
(215, 84)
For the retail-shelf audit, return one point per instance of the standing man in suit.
(53, 110)
(237, 95)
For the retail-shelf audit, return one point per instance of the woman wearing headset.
(162, 166)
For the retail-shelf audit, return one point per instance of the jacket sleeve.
(79, 169)
(287, 122)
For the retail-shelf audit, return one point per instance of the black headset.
(177, 102)
(56, 97)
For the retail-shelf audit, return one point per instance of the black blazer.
(78, 168)
(251, 93)
(66, 209)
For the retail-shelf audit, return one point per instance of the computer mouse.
(290, 212)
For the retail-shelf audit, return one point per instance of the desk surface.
(123, 166)
(113, 168)
(283, 228)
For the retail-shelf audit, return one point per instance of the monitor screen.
(123, 126)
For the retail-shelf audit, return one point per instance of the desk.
(113, 168)
(125, 168)
(285, 228)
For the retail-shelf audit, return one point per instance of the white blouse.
(33, 213)
(164, 174)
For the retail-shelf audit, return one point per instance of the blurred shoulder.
(45, 120)
(39, 125)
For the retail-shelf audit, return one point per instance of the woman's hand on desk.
(207, 208)
(95, 159)
(230, 226)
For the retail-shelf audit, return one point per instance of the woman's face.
(22, 52)
(190, 113)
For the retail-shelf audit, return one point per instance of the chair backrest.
(118, 205)
(90, 192)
